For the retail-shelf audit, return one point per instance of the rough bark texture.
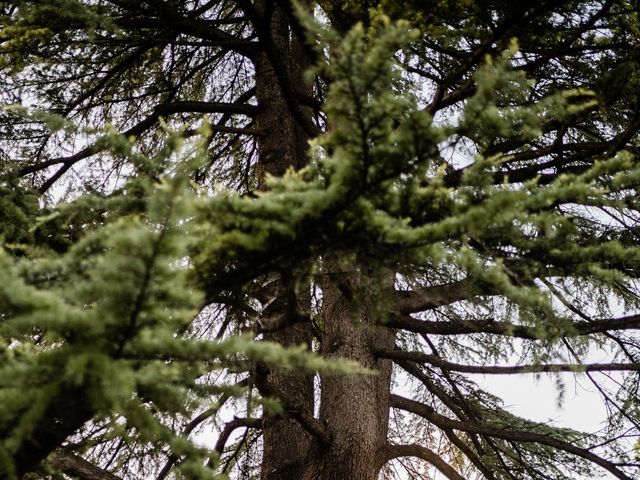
(282, 146)
(283, 143)
(355, 408)
(78, 467)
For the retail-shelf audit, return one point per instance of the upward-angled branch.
(229, 427)
(193, 424)
(426, 298)
(141, 127)
(77, 467)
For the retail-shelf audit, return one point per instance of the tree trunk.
(283, 143)
(282, 146)
(355, 408)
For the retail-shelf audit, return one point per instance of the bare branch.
(191, 426)
(427, 298)
(418, 451)
(149, 121)
(441, 421)
(141, 127)
(488, 325)
(229, 427)
(507, 369)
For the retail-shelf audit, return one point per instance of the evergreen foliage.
(473, 194)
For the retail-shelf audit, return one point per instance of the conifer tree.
(277, 240)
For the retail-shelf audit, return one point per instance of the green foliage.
(103, 315)
(101, 295)
(18, 207)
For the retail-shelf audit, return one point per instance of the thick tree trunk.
(355, 408)
(283, 143)
(282, 146)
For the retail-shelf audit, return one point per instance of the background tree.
(469, 205)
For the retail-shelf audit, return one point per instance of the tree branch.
(229, 427)
(418, 451)
(507, 369)
(471, 455)
(141, 127)
(76, 466)
(311, 424)
(205, 29)
(464, 410)
(460, 327)
(426, 298)
(441, 421)
(192, 106)
(189, 427)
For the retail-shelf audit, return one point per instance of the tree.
(199, 195)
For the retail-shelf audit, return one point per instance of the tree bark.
(78, 467)
(282, 146)
(355, 408)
